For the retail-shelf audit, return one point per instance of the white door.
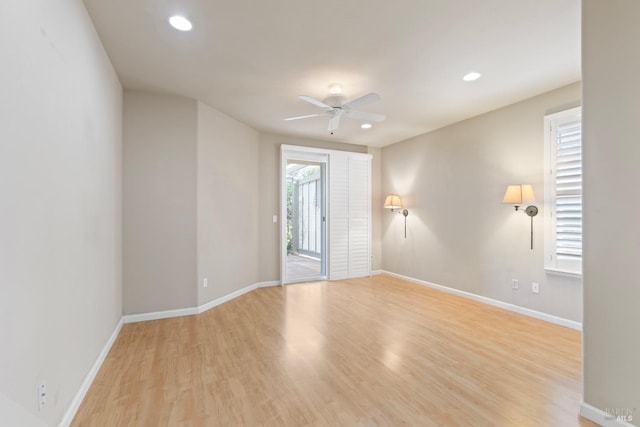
(347, 212)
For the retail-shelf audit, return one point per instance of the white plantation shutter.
(569, 191)
(349, 215)
(339, 217)
(564, 188)
(359, 215)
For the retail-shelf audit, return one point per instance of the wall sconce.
(519, 194)
(394, 202)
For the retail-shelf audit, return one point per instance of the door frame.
(287, 153)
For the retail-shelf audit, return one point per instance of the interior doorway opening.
(305, 221)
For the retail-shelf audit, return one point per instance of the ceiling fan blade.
(367, 99)
(305, 117)
(369, 117)
(334, 122)
(315, 102)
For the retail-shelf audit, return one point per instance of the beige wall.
(228, 203)
(172, 143)
(60, 205)
(377, 200)
(459, 234)
(269, 185)
(159, 202)
(611, 227)
(190, 203)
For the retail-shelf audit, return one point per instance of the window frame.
(552, 264)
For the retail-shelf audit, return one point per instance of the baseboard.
(228, 297)
(268, 284)
(88, 379)
(376, 272)
(602, 418)
(143, 317)
(496, 303)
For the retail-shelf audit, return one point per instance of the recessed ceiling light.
(335, 89)
(180, 23)
(366, 126)
(471, 76)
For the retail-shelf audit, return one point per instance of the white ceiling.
(252, 58)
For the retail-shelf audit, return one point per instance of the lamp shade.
(519, 194)
(393, 202)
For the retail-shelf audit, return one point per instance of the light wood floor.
(370, 352)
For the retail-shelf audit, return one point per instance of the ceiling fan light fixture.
(366, 126)
(474, 75)
(335, 89)
(180, 23)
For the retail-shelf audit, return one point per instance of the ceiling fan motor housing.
(335, 106)
(335, 101)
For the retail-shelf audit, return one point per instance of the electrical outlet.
(205, 282)
(275, 219)
(515, 284)
(42, 395)
(535, 287)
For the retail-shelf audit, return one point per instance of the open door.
(304, 213)
(325, 231)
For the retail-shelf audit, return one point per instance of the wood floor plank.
(369, 352)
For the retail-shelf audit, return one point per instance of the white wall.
(228, 202)
(60, 204)
(159, 202)
(611, 227)
(459, 234)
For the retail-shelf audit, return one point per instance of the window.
(563, 192)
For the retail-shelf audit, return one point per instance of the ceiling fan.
(337, 105)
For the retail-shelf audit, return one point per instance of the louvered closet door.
(338, 216)
(359, 216)
(349, 215)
